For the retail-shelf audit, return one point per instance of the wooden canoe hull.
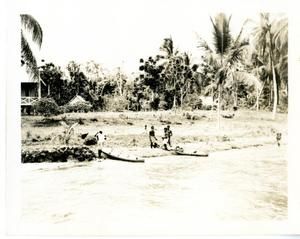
(191, 154)
(112, 156)
(181, 151)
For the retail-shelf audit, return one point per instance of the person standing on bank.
(100, 138)
(152, 138)
(169, 135)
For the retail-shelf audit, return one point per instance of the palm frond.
(280, 31)
(262, 33)
(203, 44)
(236, 54)
(33, 27)
(221, 33)
(248, 79)
(221, 75)
(237, 40)
(29, 59)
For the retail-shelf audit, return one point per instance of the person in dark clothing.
(152, 138)
(165, 143)
(278, 138)
(169, 135)
(166, 132)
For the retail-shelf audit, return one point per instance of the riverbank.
(128, 131)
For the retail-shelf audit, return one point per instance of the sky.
(118, 33)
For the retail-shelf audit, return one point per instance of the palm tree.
(30, 28)
(281, 51)
(227, 51)
(271, 42)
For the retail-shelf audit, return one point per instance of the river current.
(164, 196)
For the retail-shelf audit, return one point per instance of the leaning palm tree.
(31, 31)
(271, 42)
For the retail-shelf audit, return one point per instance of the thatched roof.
(76, 99)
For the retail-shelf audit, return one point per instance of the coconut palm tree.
(33, 29)
(30, 28)
(271, 43)
(281, 51)
(227, 51)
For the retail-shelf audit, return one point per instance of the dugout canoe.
(109, 154)
(183, 152)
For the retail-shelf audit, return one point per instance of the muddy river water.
(167, 195)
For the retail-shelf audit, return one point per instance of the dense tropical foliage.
(242, 71)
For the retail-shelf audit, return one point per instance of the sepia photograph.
(149, 118)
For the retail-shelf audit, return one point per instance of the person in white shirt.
(100, 138)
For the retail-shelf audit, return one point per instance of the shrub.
(46, 107)
(118, 103)
(163, 105)
(78, 107)
(90, 140)
(197, 104)
(155, 104)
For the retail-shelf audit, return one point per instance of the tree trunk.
(275, 93)
(102, 90)
(274, 80)
(271, 94)
(258, 96)
(174, 102)
(235, 92)
(219, 106)
(235, 99)
(257, 100)
(212, 96)
(39, 89)
(278, 86)
(181, 98)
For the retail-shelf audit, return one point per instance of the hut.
(31, 91)
(77, 99)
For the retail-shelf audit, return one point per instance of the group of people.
(166, 138)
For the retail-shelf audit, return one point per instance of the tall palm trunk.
(257, 91)
(219, 106)
(181, 97)
(257, 100)
(174, 102)
(212, 96)
(235, 92)
(275, 90)
(174, 99)
(275, 93)
(271, 94)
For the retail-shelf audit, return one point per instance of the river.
(164, 196)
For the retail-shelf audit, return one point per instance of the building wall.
(29, 89)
